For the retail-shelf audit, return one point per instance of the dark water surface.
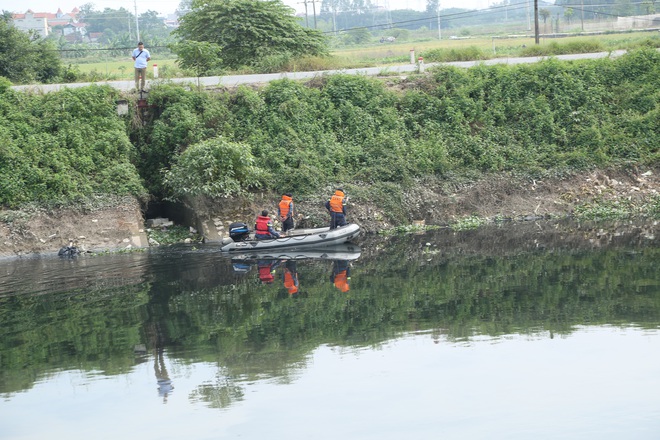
(527, 331)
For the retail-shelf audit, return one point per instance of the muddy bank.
(40, 231)
(437, 202)
(431, 201)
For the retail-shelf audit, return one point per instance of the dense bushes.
(344, 128)
(289, 136)
(214, 168)
(63, 146)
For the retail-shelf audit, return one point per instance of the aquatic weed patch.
(409, 229)
(472, 222)
(619, 208)
(172, 234)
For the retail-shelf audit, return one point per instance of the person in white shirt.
(140, 56)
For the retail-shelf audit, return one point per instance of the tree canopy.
(250, 30)
(26, 57)
(200, 57)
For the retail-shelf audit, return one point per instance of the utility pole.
(137, 26)
(536, 22)
(334, 17)
(439, 28)
(529, 18)
(306, 16)
(314, 10)
(582, 14)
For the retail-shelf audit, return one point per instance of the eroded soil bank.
(30, 232)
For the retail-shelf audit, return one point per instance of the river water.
(522, 331)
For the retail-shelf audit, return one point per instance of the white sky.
(169, 6)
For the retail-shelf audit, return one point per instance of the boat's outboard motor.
(239, 231)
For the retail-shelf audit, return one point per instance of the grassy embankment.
(536, 120)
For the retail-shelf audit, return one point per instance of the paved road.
(235, 80)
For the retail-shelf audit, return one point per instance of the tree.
(359, 35)
(568, 14)
(201, 57)
(26, 57)
(119, 20)
(249, 30)
(152, 26)
(648, 6)
(184, 7)
(623, 8)
(545, 14)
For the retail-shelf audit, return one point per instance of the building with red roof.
(43, 22)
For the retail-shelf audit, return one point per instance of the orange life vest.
(290, 282)
(337, 202)
(285, 206)
(262, 225)
(341, 281)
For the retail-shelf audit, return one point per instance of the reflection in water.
(269, 262)
(192, 306)
(290, 277)
(267, 270)
(165, 386)
(341, 275)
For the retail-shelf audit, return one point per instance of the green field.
(115, 69)
(383, 54)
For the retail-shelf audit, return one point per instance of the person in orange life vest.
(266, 270)
(263, 228)
(341, 275)
(291, 277)
(285, 211)
(337, 208)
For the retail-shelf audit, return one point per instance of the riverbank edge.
(431, 201)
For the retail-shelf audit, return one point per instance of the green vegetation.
(535, 120)
(248, 32)
(472, 222)
(25, 58)
(62, 147)
(117, 65)
(353, 130)
(173, 234)
(214, 168)
(619, 208)
(200, 57)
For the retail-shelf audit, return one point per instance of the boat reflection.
(268, 263)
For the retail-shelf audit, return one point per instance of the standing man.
(337, 208)
(140, 56)
(285, 211)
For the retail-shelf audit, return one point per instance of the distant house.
(74, 28)
(43, 22)
(31, 21)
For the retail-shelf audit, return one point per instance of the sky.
(169, 6)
